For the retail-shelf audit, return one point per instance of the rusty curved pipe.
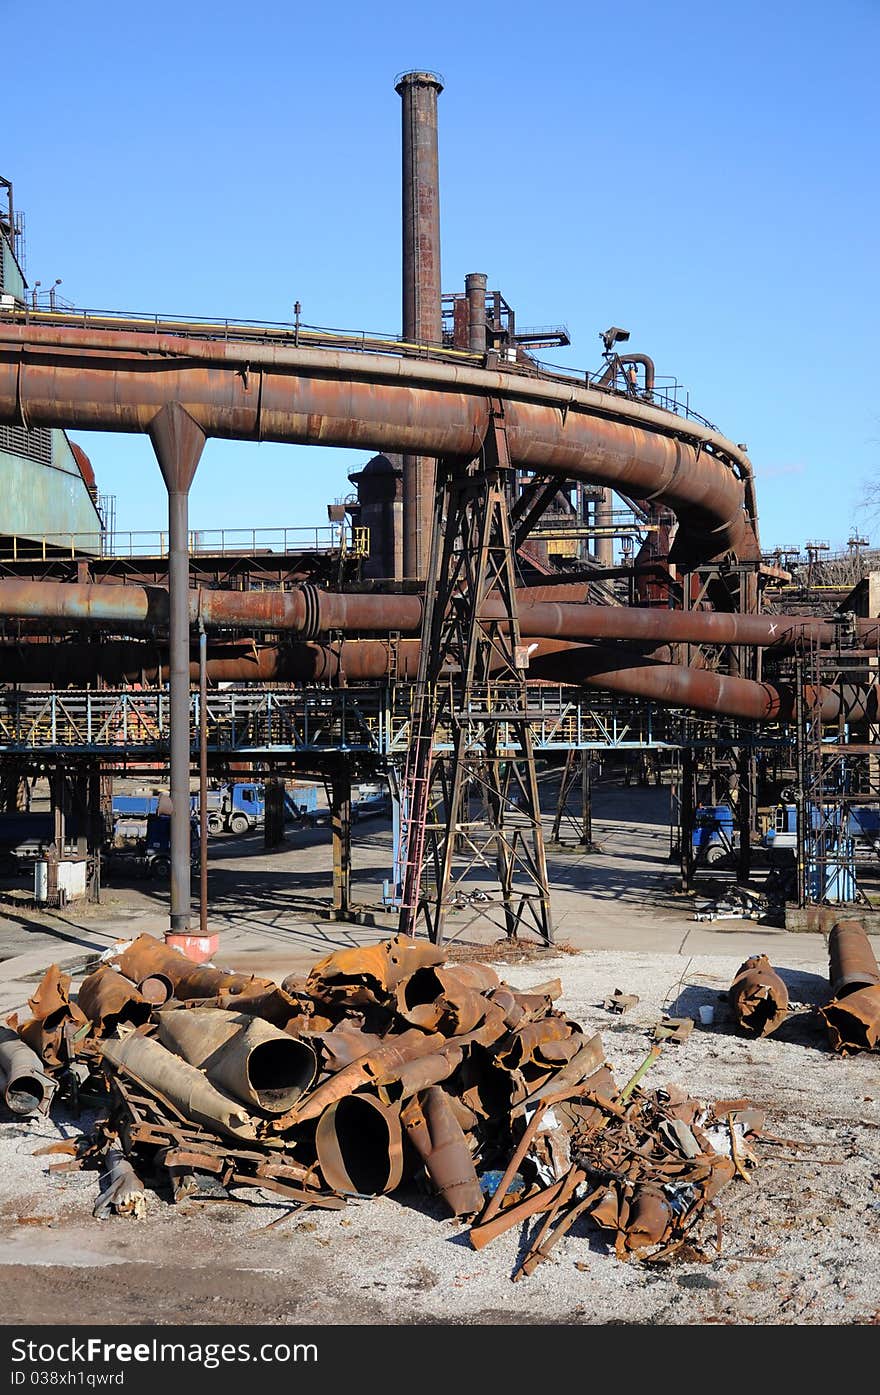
(120, 380)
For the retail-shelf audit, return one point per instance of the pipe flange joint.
(312, 609)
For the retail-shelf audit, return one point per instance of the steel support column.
(687, 806)
(178, 442)
(576, 773)
(472, 689)
(340, 817)
(203, 780)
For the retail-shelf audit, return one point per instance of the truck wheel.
(715, 854)
(161, 869)
(239, 823)
(215, 825)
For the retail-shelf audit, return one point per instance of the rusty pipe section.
(119, 381)
(371, 660)
(674, 685)
(852, 1017)
(310, 612)
(852, 964)
(25, 1088)
(248, 1058)
(758, 997)
(305, 610)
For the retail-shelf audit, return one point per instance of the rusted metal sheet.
(758, 997)
(369, 973)
(53, 1014)
(107, 999)
(343, 1045)
(853, 1021)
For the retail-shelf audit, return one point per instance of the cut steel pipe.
(853, 1022)
(852, 963)
(24, 1085)
(441, 1143)
(107, 999)
(243, 1055)
(119, 381)
(360, 1146)
(185, 1086)
(758, 997)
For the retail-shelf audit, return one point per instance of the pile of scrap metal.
(759, 998)
(383, 1065)
(645, 1166)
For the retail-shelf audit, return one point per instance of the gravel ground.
(800, 1245)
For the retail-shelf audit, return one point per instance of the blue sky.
(702, 174)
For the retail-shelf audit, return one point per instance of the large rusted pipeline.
(304, 611)
(557, 661)
(674, 685)
(311, 612)
(119, 381)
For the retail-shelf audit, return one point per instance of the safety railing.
(667, 393)
(374, 719)
(224, 542)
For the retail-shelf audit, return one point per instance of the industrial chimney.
(422, 313)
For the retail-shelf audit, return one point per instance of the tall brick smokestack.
(422, 315)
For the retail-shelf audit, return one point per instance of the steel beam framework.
(477, 806)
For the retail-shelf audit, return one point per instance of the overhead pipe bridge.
(120, 380)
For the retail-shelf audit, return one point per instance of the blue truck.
(240, 805)
(714, 837)
(862, 824)
(141, 844)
